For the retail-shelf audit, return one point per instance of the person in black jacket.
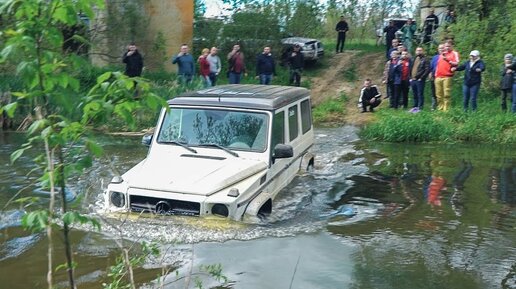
(369, 96)
(390, 34)
(296, 62)
(473, 69)
(342, 27)
(265, 66)
(133, 61)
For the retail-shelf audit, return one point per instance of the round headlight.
(220, 209)
(117, 199)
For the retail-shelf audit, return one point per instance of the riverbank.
(335, 98)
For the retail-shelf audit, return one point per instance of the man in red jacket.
(446, 64)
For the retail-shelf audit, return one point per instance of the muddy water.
(369, 216)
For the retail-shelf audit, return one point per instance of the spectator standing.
(204, 67)
(369, 96)
(431, 24)
(473, 69)
(236, 65)
(215, 65)
(342, 27)
(405, 63)
(444, 75)
(265, 66)
(296, 63)
(420, 68)
(450, 17)
(392, 78)
(185, 65)
(133, 61)
(508, 83)
(390, 35)
(395, 44)
(433, 65)
(408, 33)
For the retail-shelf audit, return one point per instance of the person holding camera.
(444, 74)
(133, 61)
(296, 62)
(473, 69)
(236, 65)
(185, 64)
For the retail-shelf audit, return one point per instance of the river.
(370, 215)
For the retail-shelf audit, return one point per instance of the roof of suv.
(252, 96)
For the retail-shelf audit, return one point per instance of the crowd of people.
(402, 73)
(210, 65)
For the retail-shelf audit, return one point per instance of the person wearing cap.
(508, 83)
(473, 69)
(296, 62)
(342, 27)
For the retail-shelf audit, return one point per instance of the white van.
(226, 150)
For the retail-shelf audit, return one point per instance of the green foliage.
(488, 125)
(496, 38)
(328, 110)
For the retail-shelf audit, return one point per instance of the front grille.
(166, 207)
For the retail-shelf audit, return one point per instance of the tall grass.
(330, 110)
(487, 125)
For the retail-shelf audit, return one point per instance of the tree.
(34, 45)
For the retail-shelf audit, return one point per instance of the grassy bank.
(487, 125)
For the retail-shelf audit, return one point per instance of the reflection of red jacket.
(204, 66)
(434, 190)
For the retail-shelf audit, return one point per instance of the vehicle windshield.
(236, 130)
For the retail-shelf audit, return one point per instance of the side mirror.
(147, 139)
(283, 151)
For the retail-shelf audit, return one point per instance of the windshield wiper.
(181, 145)
(220, 147)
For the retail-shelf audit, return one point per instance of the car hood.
(191, 174)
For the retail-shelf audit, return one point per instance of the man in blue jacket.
(185, 65)
(265, 66)
(473, 69)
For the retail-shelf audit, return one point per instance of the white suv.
(226, 150)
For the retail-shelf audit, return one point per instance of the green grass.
(487, 125)
(329, 110)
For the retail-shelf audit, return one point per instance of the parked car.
(312, 49)
(226, 150)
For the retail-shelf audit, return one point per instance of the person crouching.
(369, 96)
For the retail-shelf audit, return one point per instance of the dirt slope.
(333, 82)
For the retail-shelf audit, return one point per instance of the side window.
(306, 116)
(293, 125)
(278, 129)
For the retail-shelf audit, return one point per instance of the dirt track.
(333, 82)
